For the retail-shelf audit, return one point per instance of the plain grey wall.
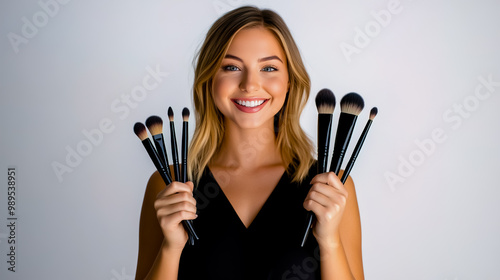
(76, 75)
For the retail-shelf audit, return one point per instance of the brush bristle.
(155, 125)
(325, 101)
(170, 114)
(373, 113)
(352, 103)
(185, 114)
(140, 131)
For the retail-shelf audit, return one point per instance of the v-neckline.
(264, 206)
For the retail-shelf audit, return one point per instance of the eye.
(230, 68)
(269, 69)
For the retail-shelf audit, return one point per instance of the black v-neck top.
(268, 249)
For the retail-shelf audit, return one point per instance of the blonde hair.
(295, 147)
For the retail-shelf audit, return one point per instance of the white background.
(427, 213)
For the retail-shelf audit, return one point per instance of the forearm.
(334, 264)
(166, 265)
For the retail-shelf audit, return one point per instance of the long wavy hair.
(295, 147)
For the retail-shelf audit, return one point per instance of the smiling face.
(251, 85)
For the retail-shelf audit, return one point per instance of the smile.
(249, 104)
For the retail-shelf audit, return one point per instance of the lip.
(250, 109)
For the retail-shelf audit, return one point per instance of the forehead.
(256, 41)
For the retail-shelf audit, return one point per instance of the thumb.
(190, 185)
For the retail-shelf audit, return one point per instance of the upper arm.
(350, 231)
(150, 234)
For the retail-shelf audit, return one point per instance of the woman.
(254, 171)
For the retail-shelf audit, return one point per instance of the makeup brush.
(184, 145)
(351, 105)
(140, 131)
(361, 140)
(325, 103)
(155, 126)
(184, 153)
(173, 145)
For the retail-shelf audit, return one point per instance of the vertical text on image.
(11, 217)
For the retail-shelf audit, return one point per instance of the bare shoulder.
(349, 183)
(350, 230)
(150, 234)
(154, 185)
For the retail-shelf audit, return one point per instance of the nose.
(250, 82)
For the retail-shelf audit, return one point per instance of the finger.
(175, 187)
(329, 179)
(314, 206)
(318, 197)
(182, 206)
(174, 198)
(190, 185)
(323, 213)
(328, 191)
(174, 220)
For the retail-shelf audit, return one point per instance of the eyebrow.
(260, 59)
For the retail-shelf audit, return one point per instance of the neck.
(248, 148)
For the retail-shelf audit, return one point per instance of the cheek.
(224, 85)
(278, 87)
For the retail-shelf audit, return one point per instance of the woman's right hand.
(174, 204)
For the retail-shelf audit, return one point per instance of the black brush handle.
(166, 178)
(310, 218)
(162, 151)
(156, 161)
(184, 150)
(175, 155)
(355, 152)
(344, 132)
(324, 132)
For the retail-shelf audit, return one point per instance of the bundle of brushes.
(351, 105)
(159, 155)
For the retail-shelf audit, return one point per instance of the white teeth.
(250, 104)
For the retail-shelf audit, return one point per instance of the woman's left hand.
(327, 199)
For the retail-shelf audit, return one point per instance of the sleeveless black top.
(268, 249)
